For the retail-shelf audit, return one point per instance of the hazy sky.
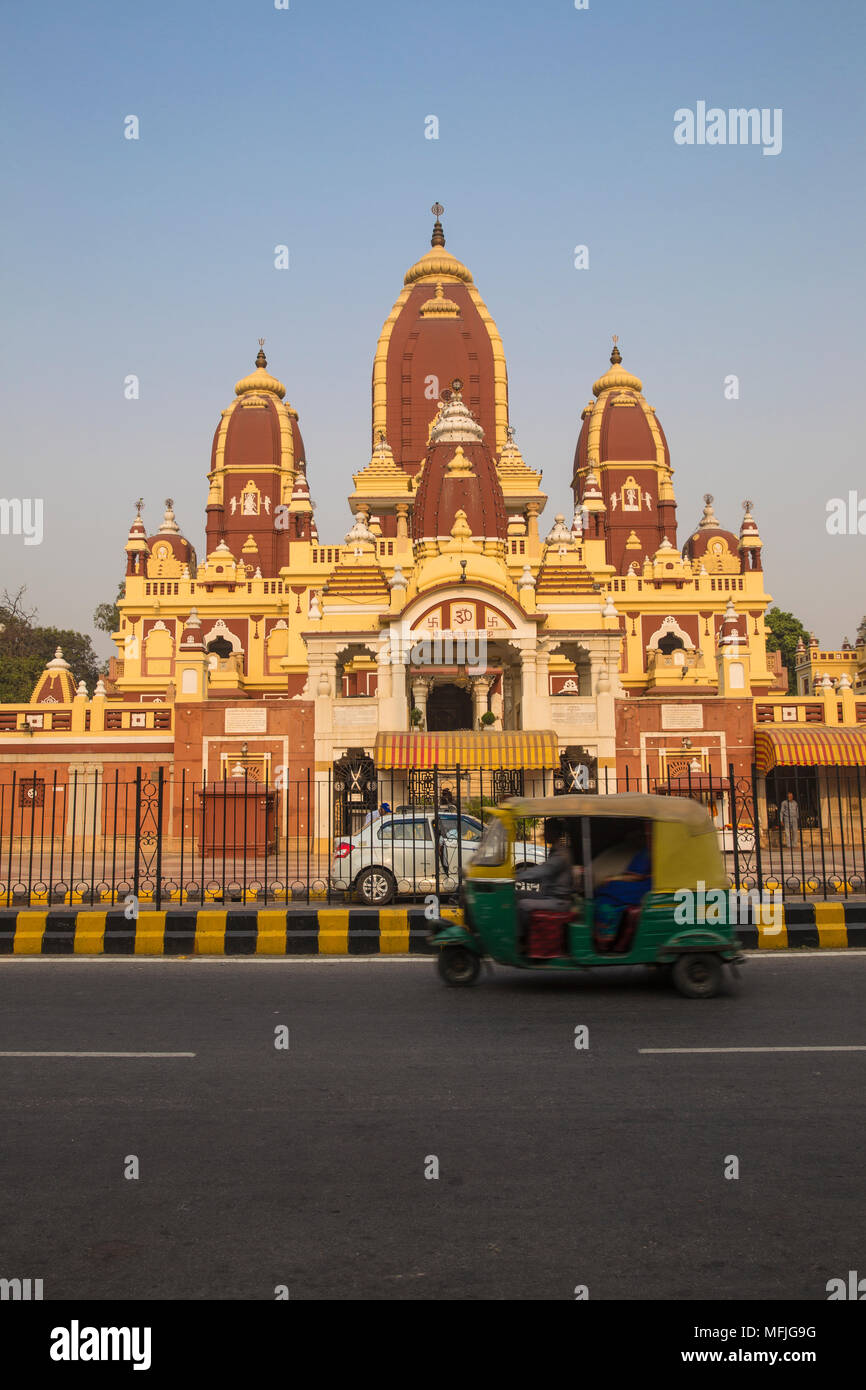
(306, 127)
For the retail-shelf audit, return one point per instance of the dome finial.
(169, 524)
(709, 517)
(616, 355)
(438, 237)
(259, 379)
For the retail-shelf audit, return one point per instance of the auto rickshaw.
(664, 926)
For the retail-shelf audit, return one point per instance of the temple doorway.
(222, 647)
(449, 707)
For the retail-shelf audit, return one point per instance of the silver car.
(396, 854)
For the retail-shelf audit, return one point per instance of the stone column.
(542, 686)
(393, 708)
(509, 681)
(402, 520)
(528, 687)
(605, 717)
(323, 683)
(383, 672)
(479, 686)
(322, 686)
(497, 703)
(420, 691)
(80, 704)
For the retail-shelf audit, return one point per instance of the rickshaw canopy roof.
(685, 846)
(624, 805)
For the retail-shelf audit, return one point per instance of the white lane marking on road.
(804, 953)
(842, 1048)
(97, 1054)
(146, 961)
(82, 961)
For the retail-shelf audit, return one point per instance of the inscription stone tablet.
(682, 716)
(246, 721)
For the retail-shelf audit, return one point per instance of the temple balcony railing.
(668, 668)
(836, 707)
(84, 716)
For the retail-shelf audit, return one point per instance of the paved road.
(558, 1167)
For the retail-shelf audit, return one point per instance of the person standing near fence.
(789, 819)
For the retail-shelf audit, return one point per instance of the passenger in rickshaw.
(621, 891)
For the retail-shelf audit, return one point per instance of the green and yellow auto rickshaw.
(640, 870)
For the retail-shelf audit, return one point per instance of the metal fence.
(168, 838)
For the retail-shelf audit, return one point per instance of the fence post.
(137, 850)
(756, 821)
(459, 832)
(735, 826)
(841, 829)
(159, 795)
(11, 838)
(309, 832)
(862, 836)
(182, 828)
(437, 838)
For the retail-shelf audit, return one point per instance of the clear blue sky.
(306, 127)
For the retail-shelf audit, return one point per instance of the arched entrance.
(222, 647)
(449, 707)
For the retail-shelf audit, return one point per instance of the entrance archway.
(449, 707)
(222, 647)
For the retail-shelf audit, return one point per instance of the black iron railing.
(166, 838)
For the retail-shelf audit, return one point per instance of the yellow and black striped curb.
(338, 931)
(323, 931)
(830, 925)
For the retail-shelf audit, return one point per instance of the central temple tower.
(438, 329)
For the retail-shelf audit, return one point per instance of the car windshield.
(493, 849)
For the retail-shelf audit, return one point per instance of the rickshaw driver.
(554, 878)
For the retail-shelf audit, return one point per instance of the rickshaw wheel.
(697, 976)
(458, 966)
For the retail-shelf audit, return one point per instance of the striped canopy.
(528, 752)
(812, 745)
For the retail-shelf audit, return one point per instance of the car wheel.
(376, 887)
(458, 966)
(697, 976)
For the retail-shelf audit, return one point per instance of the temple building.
(452, 628)
(817, 669)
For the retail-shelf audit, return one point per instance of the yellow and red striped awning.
(528, 752)
(813, 745)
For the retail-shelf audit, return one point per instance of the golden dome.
(617, 378)
(438, 264)
(260, 379)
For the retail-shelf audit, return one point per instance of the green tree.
(26, 648)
(106, 616)
(783, 633)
